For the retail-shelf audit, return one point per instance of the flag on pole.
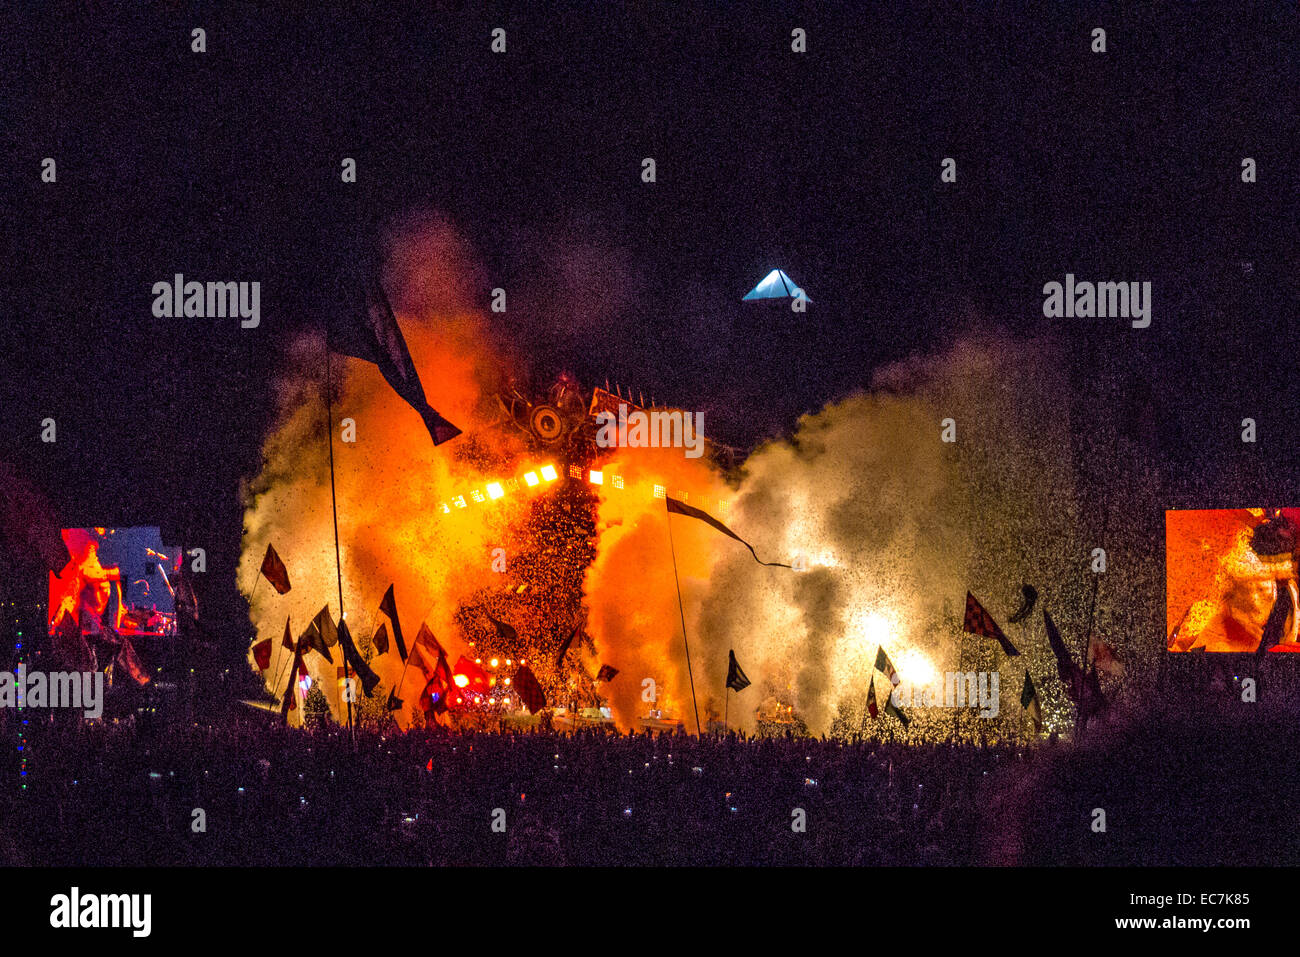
(368, 330)
(1066, 669)
(287, 640)
(897, 713)
(358, 664)
(1029, 701)
(290, 700)
(380, 639)
(559, 657)
(980, 622)
(262, 654)
(525, 682)
(389, 607)
(886, 667)
(606, 673)
(681, 508)
(321, 634)
(275, 571)
(736, 679)
(873, 708)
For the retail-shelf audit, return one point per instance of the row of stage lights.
(548, 474)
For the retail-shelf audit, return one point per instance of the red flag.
(290, 700)
(529, 690)
(469, 676)
(262, 654)
(980, 622)
(275, 571)
(873, 708)
(287, 640)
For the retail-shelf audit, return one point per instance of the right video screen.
(1231, 580)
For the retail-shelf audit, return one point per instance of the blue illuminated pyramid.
(776, 285)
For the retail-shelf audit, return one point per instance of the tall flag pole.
(681, 610)
(334, 504)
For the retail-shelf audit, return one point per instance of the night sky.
(225, 165)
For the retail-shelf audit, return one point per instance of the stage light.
(494, 662)
(522, 662)
(478, 661)
(575, 471)
(548, 473)
(492, 700)
(618, 481)
(660, 491)
(494, 490)
(459, 501)
(507, 681)
(507, 662)
(477, 496)
(596, 478)
(530, 479)
(461, 680)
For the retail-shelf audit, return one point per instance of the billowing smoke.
(890, 523)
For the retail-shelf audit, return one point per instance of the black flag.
(353, 657)
(736, 679)
(389, 607)
(681, 508)
(367, 329)
(559, 658)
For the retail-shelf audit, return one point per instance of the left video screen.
(123, 579)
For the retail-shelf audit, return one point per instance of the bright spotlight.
(548, 473)
(530, 479)
(597, 478)
(495, 490)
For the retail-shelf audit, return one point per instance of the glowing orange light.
(597, 478)
(494, 490)
(461, 680)
(548, 473)
(507, 681)
(530, 479)
(494, 662)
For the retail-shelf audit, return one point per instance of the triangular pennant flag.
(736, 679)
(1029, 701)
(980, 622)
(1030, 594)
(275, 571)
(380, 639)
(681, 508)
(886, 667)
(389, 607)
(1066, 669)
(313, 640)
(287, 640)
(606, 673)
(394, 703)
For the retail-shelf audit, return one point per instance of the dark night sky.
(225, 165)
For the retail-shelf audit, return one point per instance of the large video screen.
(1231, 580)
(119, 578)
